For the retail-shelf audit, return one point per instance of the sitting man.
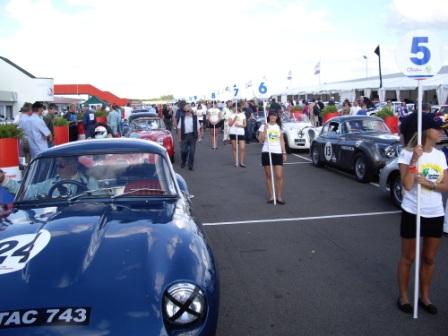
(67, 168)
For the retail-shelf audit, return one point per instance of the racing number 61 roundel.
(17, 251)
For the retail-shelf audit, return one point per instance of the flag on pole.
(377, 50)
(317, 68)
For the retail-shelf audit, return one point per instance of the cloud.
(415, 14)
(143, 49)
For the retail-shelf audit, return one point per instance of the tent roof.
(94, 101)
(390, 82)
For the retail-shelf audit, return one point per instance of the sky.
(144, 49)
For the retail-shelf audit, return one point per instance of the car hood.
(116, 259)
(382, 137)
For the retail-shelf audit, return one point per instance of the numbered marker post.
(419, 57)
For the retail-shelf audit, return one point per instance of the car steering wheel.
(81, 187)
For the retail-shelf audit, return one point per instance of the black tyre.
(362, 169)
(315, 157)
(396, 189)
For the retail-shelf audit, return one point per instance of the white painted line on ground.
(291, 163)
(297, 219)
(302, 157)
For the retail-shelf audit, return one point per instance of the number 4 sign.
(419, 55)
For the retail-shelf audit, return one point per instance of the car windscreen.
(146, 124)
(365, 125)
(295, 117)
(98, 176)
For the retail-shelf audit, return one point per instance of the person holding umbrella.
(425, 165)
(273, 154)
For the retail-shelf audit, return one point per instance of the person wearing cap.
(271, 136)
(425, 165)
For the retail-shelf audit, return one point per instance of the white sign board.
(419, 54)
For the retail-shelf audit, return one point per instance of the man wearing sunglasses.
(66, 168)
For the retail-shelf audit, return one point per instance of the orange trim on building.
(74, 89)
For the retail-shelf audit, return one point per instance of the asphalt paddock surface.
(323, 264)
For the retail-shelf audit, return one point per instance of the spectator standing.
(36, 131)
(432, 174)
(49, 117)
(114, 120)
(355, 108)
(168, 117)
(189, 132)
(402, 111)
(226, 114)
(271, 136)
(237, 123)
(25, 113)
(89, 121)
(250, 121)
(72, 118)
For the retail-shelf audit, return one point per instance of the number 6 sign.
(419, 55)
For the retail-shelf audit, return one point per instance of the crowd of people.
(423, 165)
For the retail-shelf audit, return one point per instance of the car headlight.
(183, 303)
(390, 151)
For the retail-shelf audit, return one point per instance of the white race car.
(299, 132)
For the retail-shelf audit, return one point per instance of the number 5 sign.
(419, 55)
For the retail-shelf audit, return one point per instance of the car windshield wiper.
(109, 191)
(130, 192)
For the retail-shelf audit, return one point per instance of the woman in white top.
(237, 123)
(275, 143)
(432, 175)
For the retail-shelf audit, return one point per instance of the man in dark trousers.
(189, 132)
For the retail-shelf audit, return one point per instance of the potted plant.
(9, 145)
(328, 112)
(101, 116)
(389, 118)
(60, 127)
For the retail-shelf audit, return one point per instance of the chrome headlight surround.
(183, 304)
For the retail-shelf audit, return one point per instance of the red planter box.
(392, 123)
(9, 152)
(60, 135)
(329, 116)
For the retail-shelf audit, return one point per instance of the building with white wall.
(18, 86)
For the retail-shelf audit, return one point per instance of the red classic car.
(147, 126)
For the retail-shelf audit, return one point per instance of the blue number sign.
(262, 88)
(418, 47)
(235, 91)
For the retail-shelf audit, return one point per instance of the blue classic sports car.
(102, 241)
